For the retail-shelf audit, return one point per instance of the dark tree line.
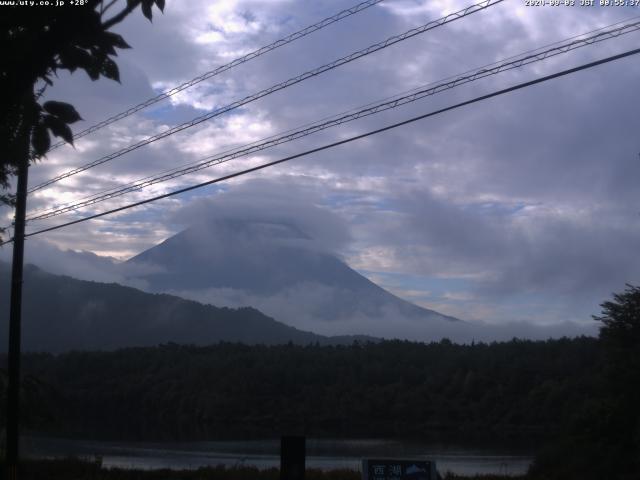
(517, 389)
(602, 439)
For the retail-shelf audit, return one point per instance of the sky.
(521, 208)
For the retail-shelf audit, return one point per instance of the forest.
(518, 390)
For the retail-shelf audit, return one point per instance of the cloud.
(302, 306)
(526, 204)
(506, 251)
(83, 265)
(270, 201)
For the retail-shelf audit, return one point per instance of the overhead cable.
(277, 87)
(342, 142)
(371, 109)
(228, 66)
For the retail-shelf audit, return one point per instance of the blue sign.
(392, 469)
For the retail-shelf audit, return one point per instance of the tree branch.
(120, 16)
(104, 9)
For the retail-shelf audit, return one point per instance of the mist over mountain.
(61, 313)
(276, 267)
(272, 266)
(258, 249)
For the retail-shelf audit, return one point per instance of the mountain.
(278, 268)
(61, 313)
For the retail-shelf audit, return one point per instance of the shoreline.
(62, 469)
(321, 454)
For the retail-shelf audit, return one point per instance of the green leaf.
(40, 140)
(110, 70)
(93, 70)
(73, 58)
(160, 4)
(107, 47)
(146, 8)
(59, 128)
(116, 40)
(64, 111)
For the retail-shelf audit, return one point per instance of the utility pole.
(15, 315)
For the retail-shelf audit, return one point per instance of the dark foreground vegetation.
(579, 398)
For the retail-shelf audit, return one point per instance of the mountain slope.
(61, 313)
(275, 267)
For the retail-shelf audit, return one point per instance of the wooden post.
(15, 314)
(292, 458)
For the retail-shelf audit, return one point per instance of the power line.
(371, 109)
(280, 86)
(375, 108)
(342, 142)
(228, 66)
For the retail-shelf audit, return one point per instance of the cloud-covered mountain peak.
(276, 267)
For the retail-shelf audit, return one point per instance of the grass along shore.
(78, 469)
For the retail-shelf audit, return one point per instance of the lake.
(325, 454)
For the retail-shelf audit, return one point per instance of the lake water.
(322, 454)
